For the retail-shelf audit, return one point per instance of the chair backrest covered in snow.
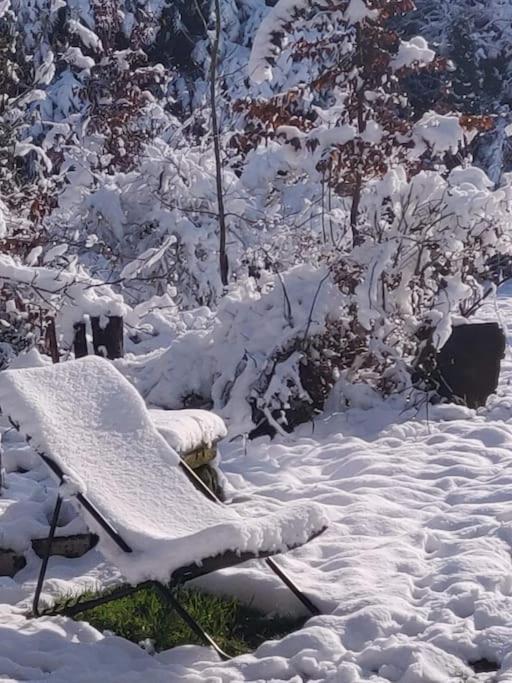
(86, 417)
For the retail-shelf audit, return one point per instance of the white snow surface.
(358, 10)
(186, 430)
(86, 417)
(264, 48)
(413, 574)
(438, 132)
(414, 51)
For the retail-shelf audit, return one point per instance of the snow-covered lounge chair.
(93, 431)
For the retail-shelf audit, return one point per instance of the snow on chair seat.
(93, 430)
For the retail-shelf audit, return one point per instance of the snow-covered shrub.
(475, 36)
(258, 358)
(415, 229)
(35, 294)
(422, 263)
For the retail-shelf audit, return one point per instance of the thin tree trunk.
(361, 121)
(329, 195)
(324, 236)
(354, 211)
(361, 125)
(223, 257)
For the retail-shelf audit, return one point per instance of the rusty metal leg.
(44, 564)
(168, 595)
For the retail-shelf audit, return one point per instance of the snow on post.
(107, 336)
(73, 293)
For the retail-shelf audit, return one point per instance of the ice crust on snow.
(87, 418)
(186, 430)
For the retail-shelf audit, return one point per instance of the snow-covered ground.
(414, 575)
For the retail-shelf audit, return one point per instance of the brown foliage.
(482, 124)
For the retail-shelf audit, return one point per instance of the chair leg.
(82, 606)
(168, 595)
(44, 564)
(310, 606)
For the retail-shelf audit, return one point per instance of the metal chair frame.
(178, 578)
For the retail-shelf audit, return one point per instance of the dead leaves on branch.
(480, 124)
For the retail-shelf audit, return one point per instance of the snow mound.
(87, 418)
(472, 176)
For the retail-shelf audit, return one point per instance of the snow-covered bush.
(271, 351)
(422, 263)
(475, 36)
(257, 358)
(414, 228)
(34, 294)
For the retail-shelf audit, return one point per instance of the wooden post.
(80, 340)
(51, 341)
(108, 341)
(2, 471)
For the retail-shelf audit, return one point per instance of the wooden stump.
(51, 341)
(468, 365)
(11, 562)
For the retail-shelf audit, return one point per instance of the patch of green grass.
(235, 627)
